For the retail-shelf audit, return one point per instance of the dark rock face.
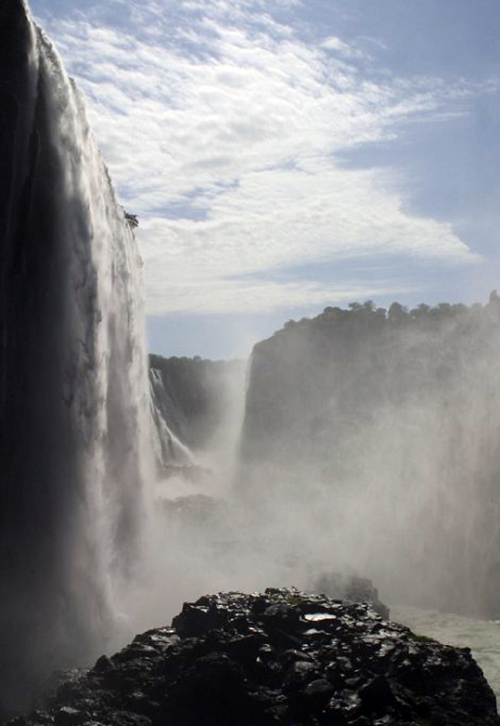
(279, 658)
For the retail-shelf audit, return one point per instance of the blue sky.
(285, 155)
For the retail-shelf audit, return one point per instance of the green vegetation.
(132, 220)
(367, 314)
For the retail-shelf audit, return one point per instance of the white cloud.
(222, 129)
(344, 49)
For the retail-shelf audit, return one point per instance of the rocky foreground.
(282, 658)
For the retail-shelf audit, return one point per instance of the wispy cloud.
(223, 126)
(333, 43)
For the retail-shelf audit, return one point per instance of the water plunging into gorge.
(374, 448)
(74, 416)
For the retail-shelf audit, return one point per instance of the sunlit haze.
(283, 156)
(316, 184)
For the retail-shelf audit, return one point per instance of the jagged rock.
(350, 587)
(276, 659)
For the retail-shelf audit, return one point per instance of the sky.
(287, 155)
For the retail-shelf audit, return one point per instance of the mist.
(367, 443)
(362, 441)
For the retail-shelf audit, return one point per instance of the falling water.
(74, 418)
(168, 447)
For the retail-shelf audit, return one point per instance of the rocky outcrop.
(352, 588)
(278, 658)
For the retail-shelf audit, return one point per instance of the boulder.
(275, 659)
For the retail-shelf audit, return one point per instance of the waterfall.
(166, 418)
(74, 396)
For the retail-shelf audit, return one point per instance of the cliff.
(320, 378)
(378, 431)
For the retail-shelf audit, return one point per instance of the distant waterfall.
(168, 447)
(74, 397)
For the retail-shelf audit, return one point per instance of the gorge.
(363, 440)
(369, 443)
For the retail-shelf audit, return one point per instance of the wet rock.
(319, 689)
(196, 620)
(377, 696)
(103, 664)
(67, 716)
(275, 659)
(352, 588)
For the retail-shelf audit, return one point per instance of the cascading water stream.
(167, 446)
(74, 398)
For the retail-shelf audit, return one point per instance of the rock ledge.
(281, 658)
